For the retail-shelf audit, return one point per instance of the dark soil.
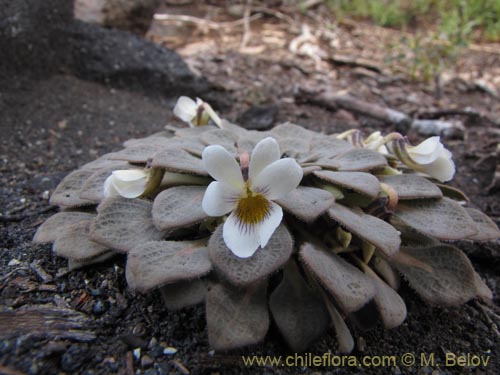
(55, 123)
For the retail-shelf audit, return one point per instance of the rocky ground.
(54, 120)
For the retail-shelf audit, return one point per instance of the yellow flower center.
(252, 208)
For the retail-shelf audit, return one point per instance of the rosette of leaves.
(351, 229)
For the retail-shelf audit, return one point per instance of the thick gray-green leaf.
(390, 305)
(350, 288)
(342, 333)
(409, 186)
(184, 294)
(191, 132)
(247, 142)
(359, 160)
(224, 138)
(293, 147)
(363, 183)
(299, 312)
(136, 154)
(307, 203)
(445, 276)
(54, 225)
(236, 129)
(369, 228)
(161, 140)
(236, 317)
(74, 243)
(444, 218)
(178, 207)
(289, 130)
(67, 193)
(483, 291)
(327, 147)
(388, 273)
(93, 188)
(453, 193)
(156, 263)
(179, 160)
(246, 271)
(122, 224)
(487, 229)
(76, 264)
(102, 162)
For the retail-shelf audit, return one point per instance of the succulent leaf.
(299, 312)
(67, 193)
(180, 161)
(246, 271)
(74, 243)
(350, 288)
(359, 160)
(342, 332)
(157, 263)
(390, 305)
(362, 183)
(446, 276)
(49, 230)
(487, 229)
(123, 224)
(236, 317)
(410, 186)
(178, 207)
(184, 293)
(306, 203)
(443, 219)
(371, 229)
(136, 154)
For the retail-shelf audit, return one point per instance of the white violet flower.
(128, 183)
(376, 141)
(432, 158)
(249, 196)
(195, 113)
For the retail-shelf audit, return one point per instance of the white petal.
(270, 223)
(219, 199)
(130, 189)
(427, 151)
(222, 166)
(109, 189)
(278, 178)
(265, 152)
(185, 109)
(130, 174)
(242, 240)
(443, 169)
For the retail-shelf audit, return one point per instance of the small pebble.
(152, 342)
(361, 344)
(169, 350)
(139, 330)
(99, 308)
(146, 361)
(137, 353)
(14, 262)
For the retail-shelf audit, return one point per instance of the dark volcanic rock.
(126, 60)
(259, 117)
(41, 38)
(30, 38)
(129, 15)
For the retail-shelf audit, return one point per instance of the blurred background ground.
(79, 91)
